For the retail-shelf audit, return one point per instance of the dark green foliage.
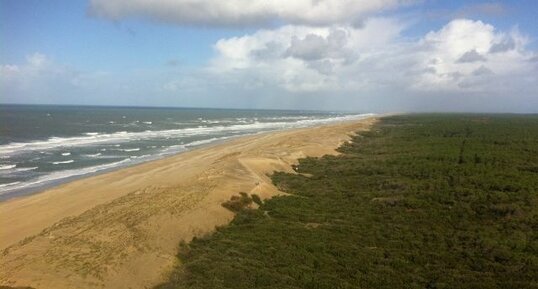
(420, 201)
(238, 203)
(256, 199)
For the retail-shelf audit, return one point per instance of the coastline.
(123, 225)
(26, 192)
(23, 186)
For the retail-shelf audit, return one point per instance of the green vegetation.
(238, 203)
(420, 201)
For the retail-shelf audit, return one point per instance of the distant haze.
(379, 56)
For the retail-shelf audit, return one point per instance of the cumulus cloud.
(375, 57)
(242, 12)
(317, 47)
(311, 47)
(462, 46)
(303, 58)
(471, 56)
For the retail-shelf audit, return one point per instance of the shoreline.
(57, 178)
(130, 216)
(33, 190)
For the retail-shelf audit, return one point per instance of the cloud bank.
(242, 12)
(462, 56)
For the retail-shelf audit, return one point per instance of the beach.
(122, 229)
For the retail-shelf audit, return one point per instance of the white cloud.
(34, 64)
(460, 36)
(311, 47)
(243, 12)
(462, 56)
(463, 46)
(38, 60)
(317, 47)
(303, 58)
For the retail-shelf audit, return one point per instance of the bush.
(256, 199)
(238, 203)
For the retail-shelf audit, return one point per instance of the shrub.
(238, 203)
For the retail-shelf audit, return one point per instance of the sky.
(361, 55)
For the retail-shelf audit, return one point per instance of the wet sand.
(122, 229)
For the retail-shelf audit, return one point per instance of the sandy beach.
(122, 229)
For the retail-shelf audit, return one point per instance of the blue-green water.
(44, 145)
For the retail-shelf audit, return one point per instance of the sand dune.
(122, 229)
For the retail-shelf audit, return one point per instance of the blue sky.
(392, 56)
(66, 32)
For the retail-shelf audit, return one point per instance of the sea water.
(45, 145)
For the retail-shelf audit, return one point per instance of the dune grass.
(420, 201)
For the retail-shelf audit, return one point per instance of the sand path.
(122, 229)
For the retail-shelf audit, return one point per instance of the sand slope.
(122, 229)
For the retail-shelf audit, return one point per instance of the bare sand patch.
(122, 229)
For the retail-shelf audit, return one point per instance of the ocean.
(44, 145)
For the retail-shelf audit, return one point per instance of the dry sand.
(122, 229)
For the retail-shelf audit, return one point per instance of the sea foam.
(63, 162)
(58, 175)
(124, 136)
(7, 167)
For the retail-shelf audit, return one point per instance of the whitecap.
(139, 157)
(25, 169)
(16, 170)
(131, 150)
(9, 184)
(58, 176)
(63, 162)
(206, 141)
(237, 129)
(66, 154)
(7, 167)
